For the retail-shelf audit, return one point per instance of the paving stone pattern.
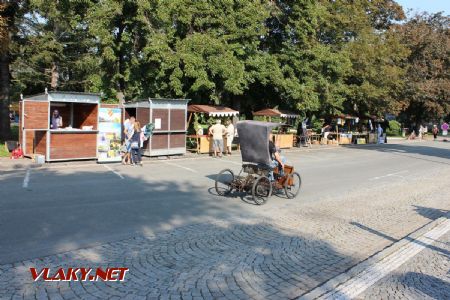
(280, 255)
(426, 276)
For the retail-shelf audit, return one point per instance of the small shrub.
(395, 128)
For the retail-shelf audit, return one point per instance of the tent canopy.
(346, 117)
(273, 112)
(213, 111)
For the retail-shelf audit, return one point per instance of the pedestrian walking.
(325, 131)
(217, 131)
(380, 134)
(136, 144)
(444, 128)
(385, 126)
(128, 131)
(129, 126)
(420, 132)
(230, 136)
(435, 131)
(125, 150)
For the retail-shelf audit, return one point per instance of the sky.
(431, 6)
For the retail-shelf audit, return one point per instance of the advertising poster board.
(109, 134)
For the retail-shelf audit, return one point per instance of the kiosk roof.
(213, 111)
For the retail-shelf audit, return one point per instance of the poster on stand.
(109, 134)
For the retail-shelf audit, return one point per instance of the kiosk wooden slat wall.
(169, 118)
(61, 145)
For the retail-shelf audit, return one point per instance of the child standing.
(17, 153)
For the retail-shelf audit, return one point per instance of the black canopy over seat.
(254, 141)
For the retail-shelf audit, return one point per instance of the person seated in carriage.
(258, 148)
(278, 161)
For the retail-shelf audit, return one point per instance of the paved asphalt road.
(47, 211)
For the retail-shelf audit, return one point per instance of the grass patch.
(15, 137)
(3, 151)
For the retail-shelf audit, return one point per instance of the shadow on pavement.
(373, 231)
(431, 213)
(167, 232)
(393, 240)
(409, 150)
(65, 209)
(431, 286)
(236, 261)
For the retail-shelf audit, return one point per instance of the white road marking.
(180, 166)
(26, 180)
(396, 174)
(362, 280)
(115, 172)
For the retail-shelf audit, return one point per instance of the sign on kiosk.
(109, 135)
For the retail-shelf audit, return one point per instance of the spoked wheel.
(292, 185)
(261, 190)
(223, 182)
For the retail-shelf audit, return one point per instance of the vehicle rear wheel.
(292, 185)
(224, 182)
(261, 190)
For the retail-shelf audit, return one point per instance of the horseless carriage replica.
(259, 175)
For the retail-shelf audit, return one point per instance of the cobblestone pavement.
(282, 254)
(426, 276)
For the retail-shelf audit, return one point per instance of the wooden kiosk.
(76, 139)
(282, 140)
(204, 143)
(169, 119)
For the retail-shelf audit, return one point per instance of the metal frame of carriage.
(256, 167)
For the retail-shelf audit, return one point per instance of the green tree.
(117, 27)
(376, 79)
(53, 48)
(312, 70)
(202, 49)
(362, 31)
(9, 12)
(427, 87)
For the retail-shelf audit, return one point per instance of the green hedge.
(395, 128)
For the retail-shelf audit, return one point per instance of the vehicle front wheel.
(261, 190)
(224, 182)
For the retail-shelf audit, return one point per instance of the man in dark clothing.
(277, 160)
(385, 126)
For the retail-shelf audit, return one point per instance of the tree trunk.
(5, 128)
(54, 77)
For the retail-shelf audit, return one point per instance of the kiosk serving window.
(75, 115)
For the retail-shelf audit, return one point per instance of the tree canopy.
(427, 85)
(318, 57)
